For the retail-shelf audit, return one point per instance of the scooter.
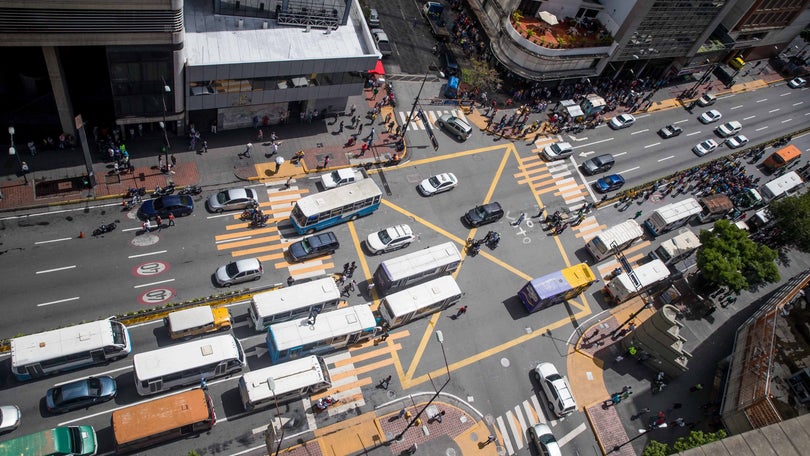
(191, 190)
(163, 191)
(104, 228)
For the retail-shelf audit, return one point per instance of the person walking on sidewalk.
(385, 382)
(171, 219)
(340, 128)
(490, 439)
(246, 153)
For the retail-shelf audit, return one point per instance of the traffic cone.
(81, 234)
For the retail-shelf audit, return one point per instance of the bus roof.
(289, 376)
(51, 442)
(681, 244)
(648, 274)
(781, 184)
(160, 415)
(188, 355)
(294, 333)
(413, 298)
(550, 285)
(183, 320)
(578, 275)
(338, 197)
(419, 261)
(299, 295)
(621, 233)
(677, 211)
(60, 342)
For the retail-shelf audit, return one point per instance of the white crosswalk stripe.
(432, 115)
(514, 424)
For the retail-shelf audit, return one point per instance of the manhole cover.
(505, 362)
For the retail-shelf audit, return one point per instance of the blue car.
(80, 394)
(609, 183)
(179, 205)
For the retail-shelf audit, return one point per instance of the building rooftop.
(215, 39)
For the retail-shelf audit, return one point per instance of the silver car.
(10, 417)
(232, 199)
(239, 271)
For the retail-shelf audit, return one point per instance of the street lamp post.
(440, 338)
(640, 433)
(166, 145)
(13, 151)
(272, 385)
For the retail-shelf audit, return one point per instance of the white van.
(558, 151)
(672, 216)
(786, 185)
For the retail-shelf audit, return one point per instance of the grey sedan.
(235, 198)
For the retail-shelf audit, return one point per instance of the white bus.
(623, 287)
(400, 272)
(69, 348)
(187, 363)
(297, 301)
(786, 185)
(677, 248)
(403, 306)
(347, 202)
(291, 380)
(672, 216)
(324, 333)
(623, 235)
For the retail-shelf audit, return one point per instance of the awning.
(378, 69)
(548, 17)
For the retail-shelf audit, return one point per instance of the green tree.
(792, 215)
(480, 75)
(728, 257)
(696, 439)
(655, 448)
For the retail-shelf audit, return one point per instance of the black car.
(179, 205)
(481, 215)
(314, 246)
(80, 394)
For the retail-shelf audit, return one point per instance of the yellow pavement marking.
(245, 225)
(375, 300)
(267, 248)
(272, 257)
(223, 237)
(590, 233)
(344, 387)
(568, 189)
(244, 242)
(378, 351)
(551, 188)
(637, 246)
(365, 431)
(450, 156)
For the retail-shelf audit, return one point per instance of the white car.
(705, 147)
(736, 141)
(436, 184)
(797, 83)
(558, 392)
(622, 121)
(391, 238)
(710, 116)
(558, 151)
(543, 440)
(728, 129)
(10, 417)
(340, 177)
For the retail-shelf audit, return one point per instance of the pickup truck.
(342, 176)
(433, 12)
(382, 41)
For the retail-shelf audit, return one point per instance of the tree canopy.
(481, 75)
(792, 215)
(728, 257)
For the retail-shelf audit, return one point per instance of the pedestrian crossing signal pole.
(432, 137)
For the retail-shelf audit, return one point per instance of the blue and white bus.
(321, 333)
(338, 205)
(69, 348)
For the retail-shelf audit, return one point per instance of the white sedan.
(797, 83)
(391, 238)
(710, 116)
(705, 147)
(736, 141)
(544, 442)
(622, 121)
(439, 183)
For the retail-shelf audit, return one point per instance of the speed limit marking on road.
(156, 296)
(151, 268)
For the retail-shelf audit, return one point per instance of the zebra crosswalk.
(514, 424)
(432, 115)
(556, 178)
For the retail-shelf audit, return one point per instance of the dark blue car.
(179, 205)
(609, 183)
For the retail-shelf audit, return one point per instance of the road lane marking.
(56, 269)
(786, 120)
(52, 240)
(749, 117)
(797, 104)
(761, 128)
(57, 302)
(620, 154)
(736, 107)
(591, 144)
(651, 145)
(570, 436)
(147, 254)
(774, 110)
(232, 240)
(681, 121)
(785, 94)
(153, 283)
(760, 101)
(640, 131)
(693, 133)
(83, 209)
(96, 375)
(666, 158)
(628, 170)
(642, 116)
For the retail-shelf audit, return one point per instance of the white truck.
(342, 176)
(624, 286)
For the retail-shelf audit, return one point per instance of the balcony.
(570, 33)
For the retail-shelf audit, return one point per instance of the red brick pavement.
(451, 425)
(607, 424)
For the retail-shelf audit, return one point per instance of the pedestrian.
(540, 213)
(346, 268)
(171, 219)
(345, 290)
(519, 219)
(174, 161)
(402, 413)
(696, 387)
(490, 439)
(203, 384)
(288, 183)
(390, 127)
(384, 336)
(353, 286)
(371, 135)
(160, 163)
(360, 130)
(385, 382)
(260, 135)
(204, 147)
(461, 311)
(439, 416)
(145, 226)
(248, 148)
(273, 137)
(33, 148)
(326, 161)
(354, 108)
(159, 223)
(290, 281)
(638, 214)
(275, 148)
(340, 128)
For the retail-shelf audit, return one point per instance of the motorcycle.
(191, 190)
(163, 191)
(104, 228)
(260, 221)
(473, 246)
(248, 213)
(134, 201)
(136, 191)
(324, 403)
